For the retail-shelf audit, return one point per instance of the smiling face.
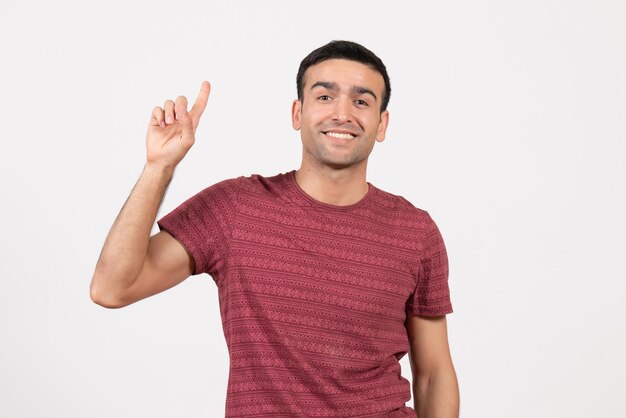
(339, 115)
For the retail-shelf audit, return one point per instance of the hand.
(171, 131)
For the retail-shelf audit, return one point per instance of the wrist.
(158, 172)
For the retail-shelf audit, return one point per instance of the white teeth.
(340, 136)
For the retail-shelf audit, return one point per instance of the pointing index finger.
(200, 103)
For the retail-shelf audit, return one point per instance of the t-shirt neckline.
(291, 176)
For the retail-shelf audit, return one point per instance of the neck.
(334, 187)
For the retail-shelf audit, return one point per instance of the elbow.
(104, 298)
(105, 303)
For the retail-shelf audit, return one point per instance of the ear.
(382, 126)
(296, 111)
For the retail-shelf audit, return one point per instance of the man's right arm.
(134, 265)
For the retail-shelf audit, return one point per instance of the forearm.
(126, 245)
(437, 395)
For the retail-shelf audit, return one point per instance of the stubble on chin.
(334, 158)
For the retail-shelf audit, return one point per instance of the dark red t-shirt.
(313, 297)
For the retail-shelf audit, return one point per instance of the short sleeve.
(431, 296)
(203, 225)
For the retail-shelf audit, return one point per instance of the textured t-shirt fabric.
(313, 297)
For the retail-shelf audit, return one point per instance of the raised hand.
(172, 130)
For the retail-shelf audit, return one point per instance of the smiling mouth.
(339, 135)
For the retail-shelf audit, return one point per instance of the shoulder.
(261, 185)
(226, 184)
(401, 208)
(221, 190)
(255, 188)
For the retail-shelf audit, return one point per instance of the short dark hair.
(349, 51)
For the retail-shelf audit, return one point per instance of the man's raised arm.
(133, 265)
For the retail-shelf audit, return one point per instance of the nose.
(342, 111)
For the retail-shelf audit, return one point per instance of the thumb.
(187, 124)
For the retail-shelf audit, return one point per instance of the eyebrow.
(335, 87)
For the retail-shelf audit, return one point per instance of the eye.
(361, 102)
(324, 97)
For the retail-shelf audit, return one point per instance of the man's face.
(339, 114)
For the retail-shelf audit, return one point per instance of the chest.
(327, 261)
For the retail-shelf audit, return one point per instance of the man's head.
(349, 51)
(343, 90)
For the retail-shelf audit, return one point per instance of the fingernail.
(169, 119)
(162, 124)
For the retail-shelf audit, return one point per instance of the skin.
(339, 95)
(134, 265)
(334, 172)
(435, 386)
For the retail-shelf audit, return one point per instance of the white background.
(507, 124)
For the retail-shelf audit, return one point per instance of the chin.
(338, 163)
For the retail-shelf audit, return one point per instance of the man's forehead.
(344, 73)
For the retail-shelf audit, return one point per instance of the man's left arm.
(435, 386)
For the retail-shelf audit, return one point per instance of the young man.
(325, 281)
